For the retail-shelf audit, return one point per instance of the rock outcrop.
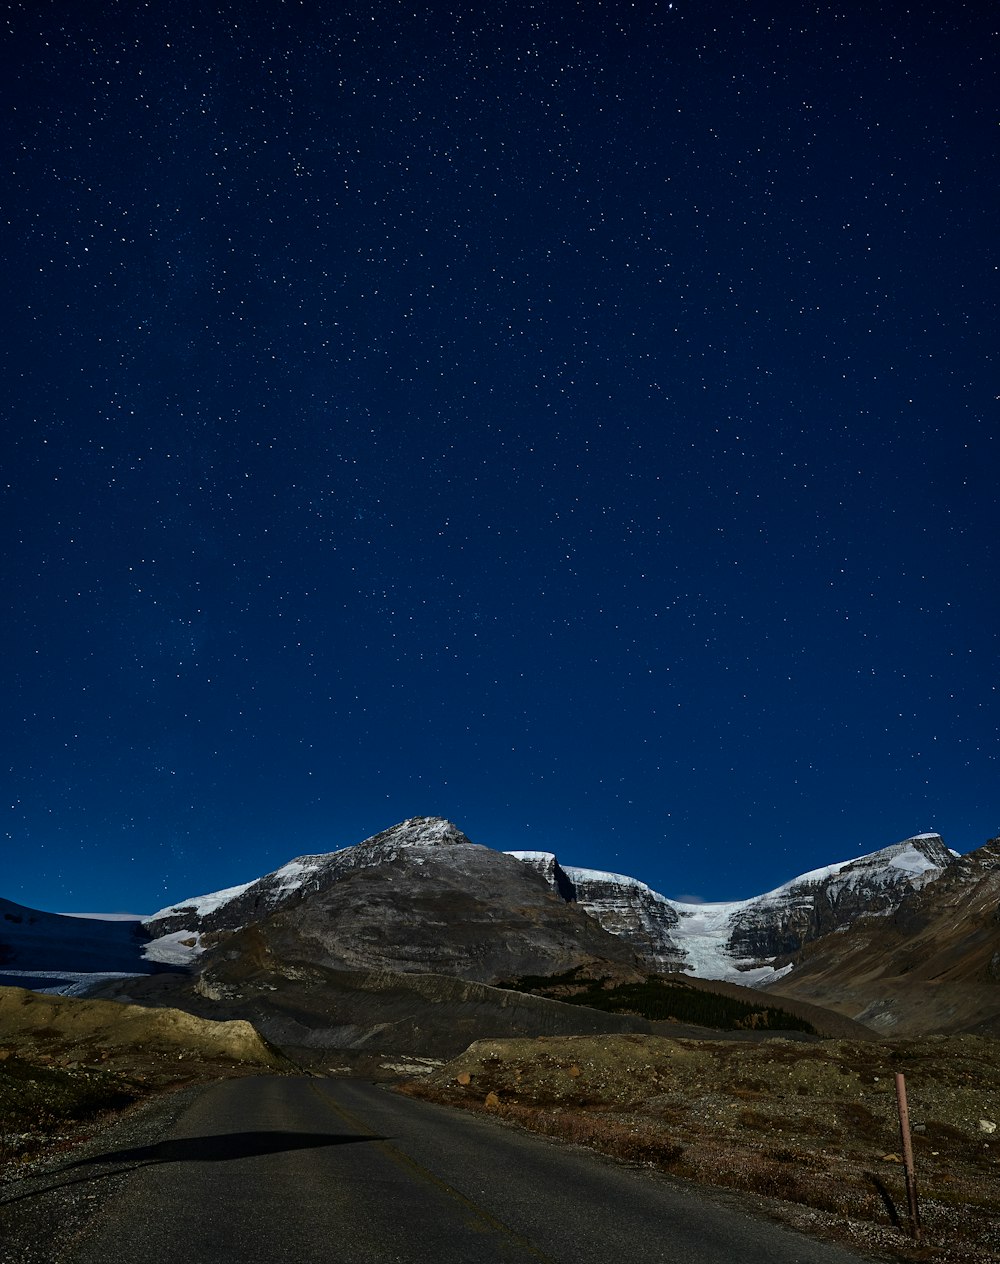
(30, 1021)
(780, 923)
(623, 906)
(929, 965)
(304, 876)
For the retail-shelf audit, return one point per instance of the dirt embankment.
(810, 1130)
(69, 1028)
(66, 1064)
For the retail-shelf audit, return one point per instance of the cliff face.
(641, 916)
(746, 941)
(623, 906)
(781, 922)
(930, 965)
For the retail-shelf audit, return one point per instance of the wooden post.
(904, 1134)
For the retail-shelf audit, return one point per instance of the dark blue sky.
(575, 420)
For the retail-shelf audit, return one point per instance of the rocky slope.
(626, 907)
(932, 964)
(309, 1010)
(83, 1029)
(747, 941)
(417, 898)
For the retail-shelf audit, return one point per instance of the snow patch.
(582, 877)
(297, 873)
(912, 862)
(702, 934)
(177, 949)
(61, 982)
(203, 904)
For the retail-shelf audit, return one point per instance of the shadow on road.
(214, 1149)
(227, 1145)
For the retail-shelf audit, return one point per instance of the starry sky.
(578, 421)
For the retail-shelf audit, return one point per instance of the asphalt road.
(320, 1171)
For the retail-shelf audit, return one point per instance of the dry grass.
(40, 1100)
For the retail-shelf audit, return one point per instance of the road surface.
(319, 1171)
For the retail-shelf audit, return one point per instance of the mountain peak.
(419, 831)
(235, 906)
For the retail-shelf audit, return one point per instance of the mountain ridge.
(932, 965)
(421, 897)
(751, 942)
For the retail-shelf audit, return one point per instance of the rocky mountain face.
(623, 906)
(417, 898)
(778, 924)
(746, 941)
(931, 964)
(304, 876)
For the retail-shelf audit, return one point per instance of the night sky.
(575, 420)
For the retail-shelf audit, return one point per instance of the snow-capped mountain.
(417, 898)
(747, 941)
(930, 964)
(778, 923)
(236, 906)
(626, 907)
(750, 942)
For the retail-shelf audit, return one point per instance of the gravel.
(47, 1204)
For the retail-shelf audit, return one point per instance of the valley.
(581, 1005)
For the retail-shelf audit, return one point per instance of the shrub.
(657, 1000)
